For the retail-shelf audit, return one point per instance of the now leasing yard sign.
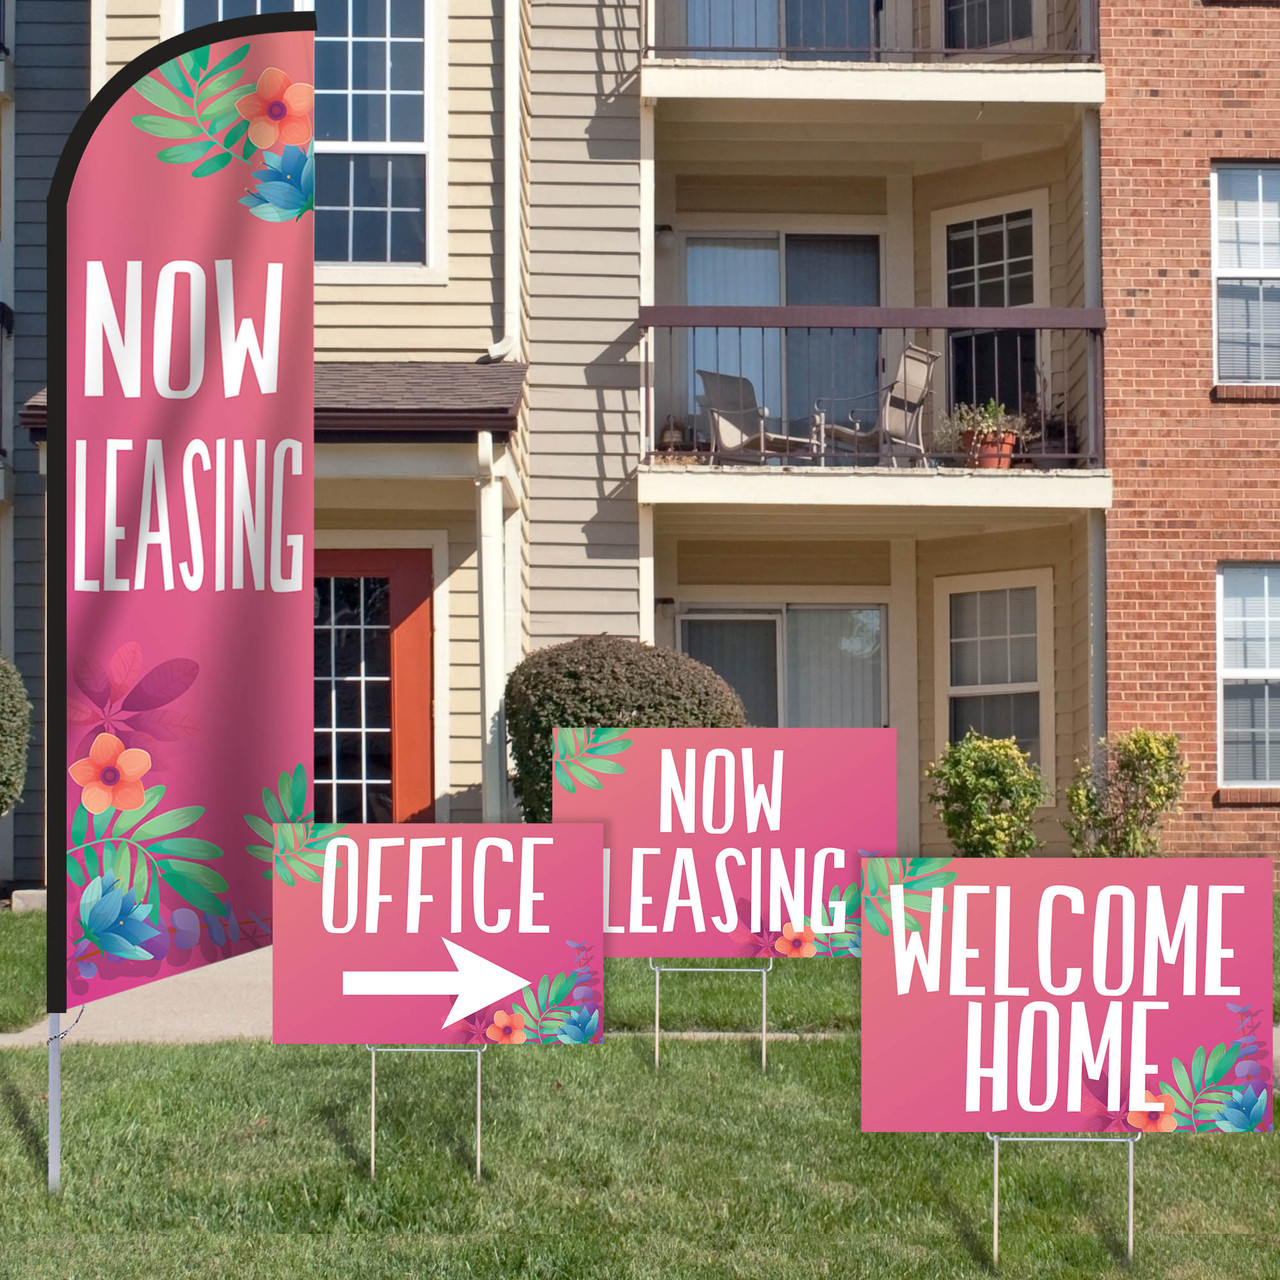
(1057, 995)
(730, 842)
(419, 935)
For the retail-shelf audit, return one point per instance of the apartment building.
(649, 320)
(1191, 243)
(853, 219)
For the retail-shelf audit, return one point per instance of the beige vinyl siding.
(583, 289)
(132, 27)
(1061, 548)
(457, 707)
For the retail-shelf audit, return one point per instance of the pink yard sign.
(731, 842)
(452, 934)
(1063, 995)
(180, 495)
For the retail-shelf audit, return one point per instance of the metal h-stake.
(996, 1138)
(660, 969)
(375, 1049)
(55, 1103)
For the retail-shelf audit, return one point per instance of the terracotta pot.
(994, 451)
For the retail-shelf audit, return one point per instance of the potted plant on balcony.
(985, 434)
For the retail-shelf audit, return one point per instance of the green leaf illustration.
(212, 165)
(165, 824)
(581, 754)
(188, 847)
(189, 889)
(167, 127)
(160, 95)
(184, 153)
(235, 56)
(75, 871)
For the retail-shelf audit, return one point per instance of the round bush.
(605, 682)
(15, 733)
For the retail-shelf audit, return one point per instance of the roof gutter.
(508, 345)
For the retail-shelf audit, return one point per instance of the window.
(990, 263)
(797, 665)
(994, 660)
(987, 24)
(373, 724)
(1249, 674)
(378, 158)
(1246, 271)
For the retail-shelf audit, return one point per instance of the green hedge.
(15, 734)
(604, 681)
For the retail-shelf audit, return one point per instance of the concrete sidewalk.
(230, 1000)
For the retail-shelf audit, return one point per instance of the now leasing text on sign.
(1060, 995)
(452, 934)
(730, 842)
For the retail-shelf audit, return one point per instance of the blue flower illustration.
(113, 921)
(579, 1027)
(1244, 1113)
(286, 187)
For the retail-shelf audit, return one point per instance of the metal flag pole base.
(660, 969)
(375, 1049)
(1129, 1139)
(55, 1103)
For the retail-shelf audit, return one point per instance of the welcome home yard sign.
(180, 500)
(1066, 995)
(730, 842)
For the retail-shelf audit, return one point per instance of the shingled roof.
(386, 401)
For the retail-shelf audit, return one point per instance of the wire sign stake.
(660, 969)
(374, 1050)
(1129, 1140)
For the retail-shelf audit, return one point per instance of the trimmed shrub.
(1120, 798)
(986, 792)
(605, 682)
(15, 735)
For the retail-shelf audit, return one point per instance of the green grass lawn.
(22, 939)
(252, 1160)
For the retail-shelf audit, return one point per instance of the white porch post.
(646, 631)
(904, 688)
(489, 554)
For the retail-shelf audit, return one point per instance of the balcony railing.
(869, 386)
(874, 30)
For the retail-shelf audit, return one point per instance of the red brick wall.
(1197, 481)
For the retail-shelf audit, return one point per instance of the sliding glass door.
(788, 370)
(800, 665)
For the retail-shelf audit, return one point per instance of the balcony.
(979, 31)
(898, 50)
(871, 391)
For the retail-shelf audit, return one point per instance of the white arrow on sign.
(475, 982)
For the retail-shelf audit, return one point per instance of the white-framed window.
(796, 665)
(380, 132)
(993, 660)
(993, 253)
(1245, 222)
(1249, 674)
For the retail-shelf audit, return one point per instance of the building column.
(902, 653)
(490, 537)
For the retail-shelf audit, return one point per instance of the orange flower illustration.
(111, 776)
(796, 944)
(1155, 1121)
(507, 1028)
(277, 111)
